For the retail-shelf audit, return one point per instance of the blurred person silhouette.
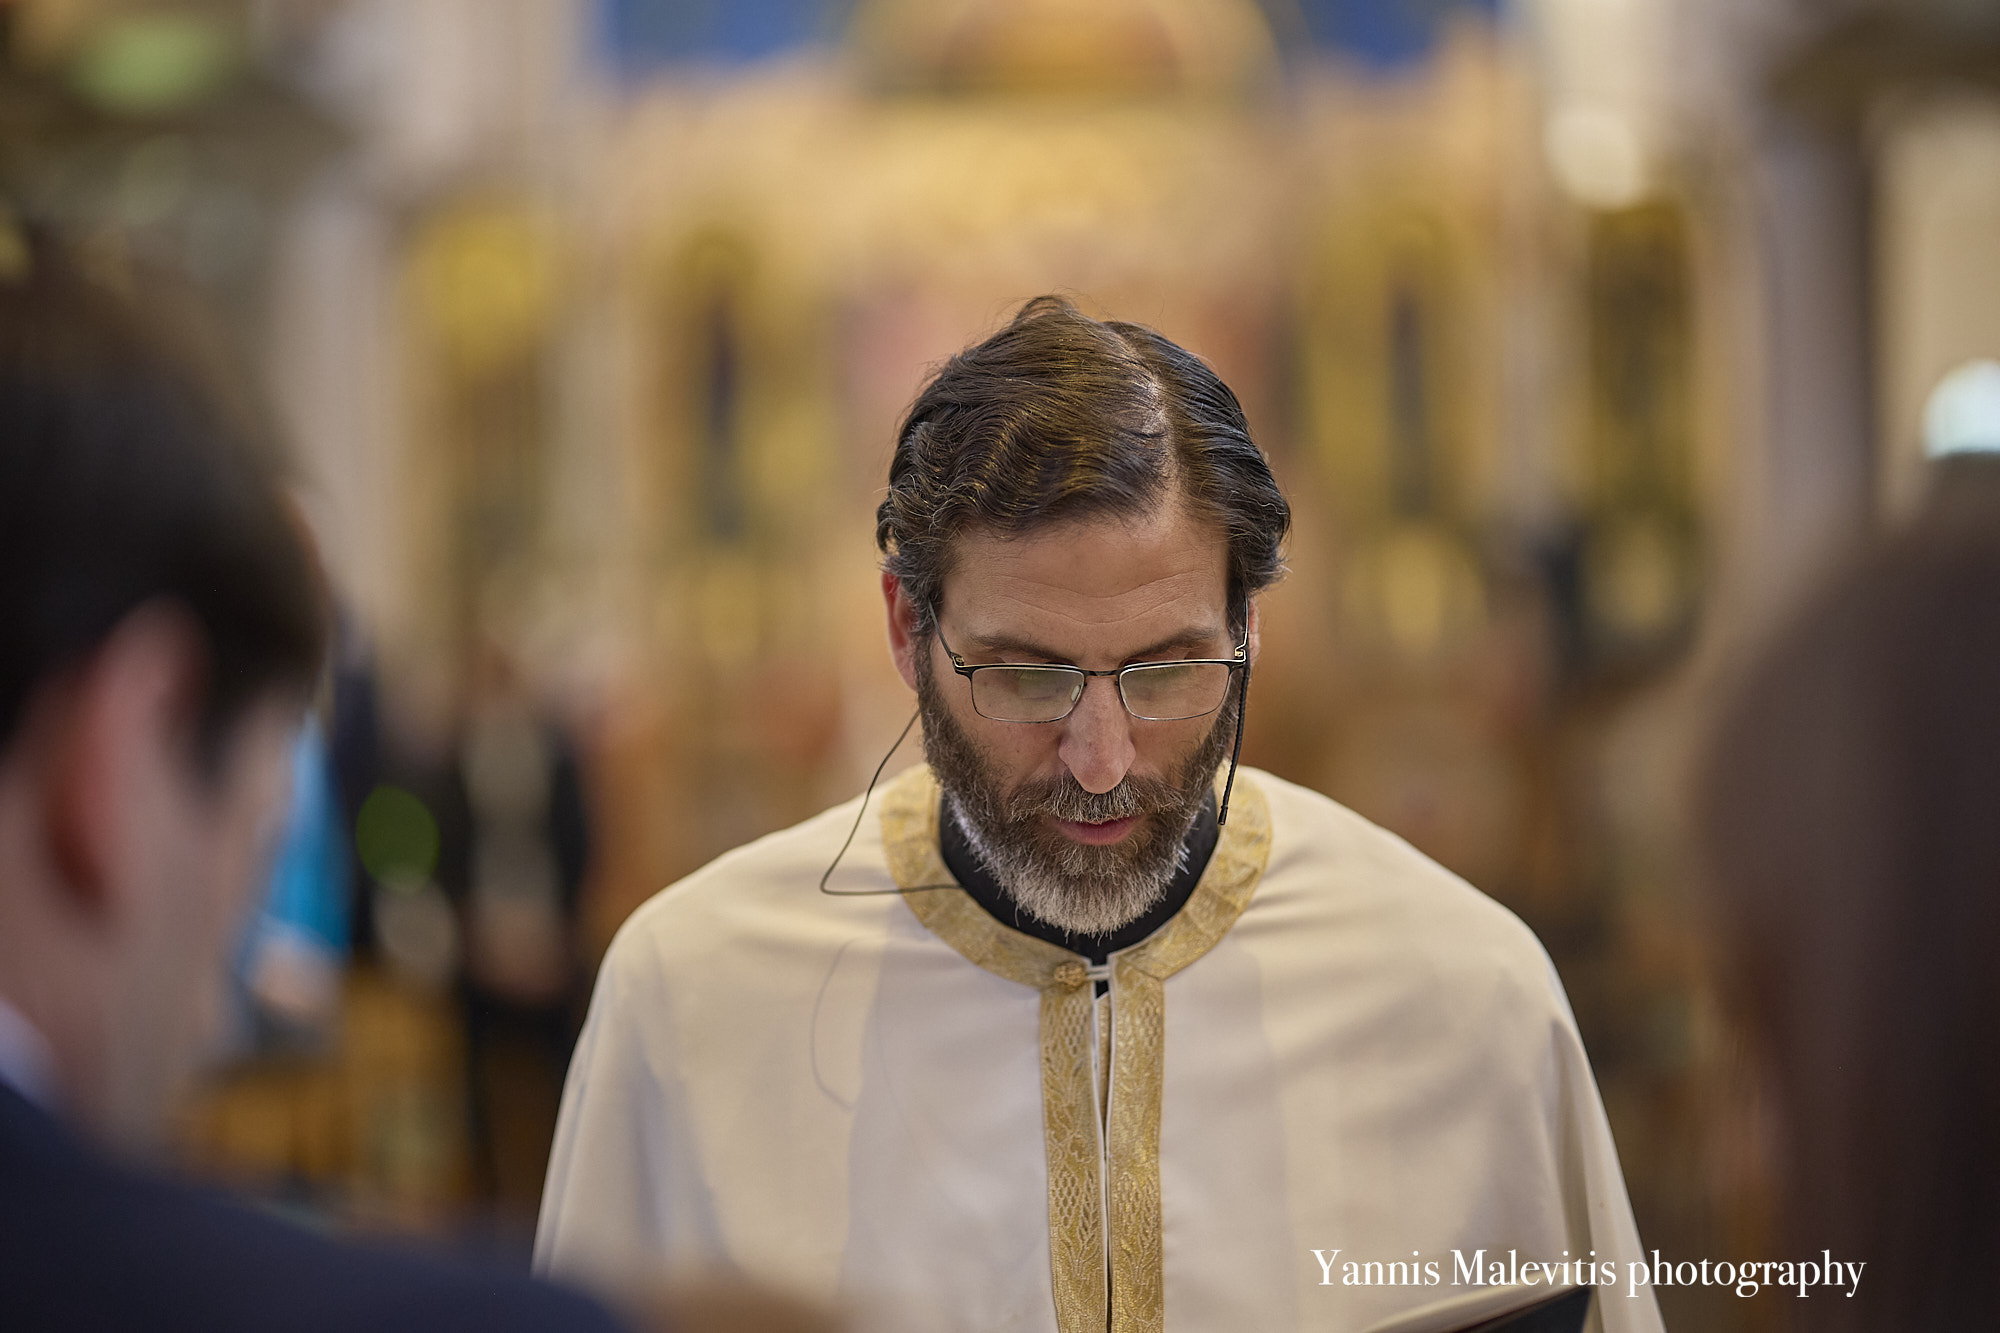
(517, 851)
(163, 626)
(290, 962)
(1848, 808)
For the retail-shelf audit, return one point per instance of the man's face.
(206, 843)
(1081, 820)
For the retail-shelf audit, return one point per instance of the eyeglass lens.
(1154, 692)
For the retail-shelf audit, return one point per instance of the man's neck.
(987, 891)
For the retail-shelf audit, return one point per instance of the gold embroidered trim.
(1070, 1145)
(1070, 1127)
(1138, 1067)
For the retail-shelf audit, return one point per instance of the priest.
(1088, 1029)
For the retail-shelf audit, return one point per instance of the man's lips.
(1097, 835)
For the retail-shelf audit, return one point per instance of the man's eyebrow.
(1008, 643)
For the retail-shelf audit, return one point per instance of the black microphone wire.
(859, 815)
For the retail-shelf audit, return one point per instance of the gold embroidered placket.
(1078, 1248)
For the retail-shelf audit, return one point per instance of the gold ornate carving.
(1079, 1243)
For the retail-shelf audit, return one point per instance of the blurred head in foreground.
(162, 629)
(1851, 810)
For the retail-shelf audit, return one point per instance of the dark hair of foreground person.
(128, 474)
(1850, 810)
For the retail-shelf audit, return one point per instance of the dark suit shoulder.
(87, 1245)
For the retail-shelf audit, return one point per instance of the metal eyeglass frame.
(959, 665)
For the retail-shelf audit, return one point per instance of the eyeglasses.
(1150, 691)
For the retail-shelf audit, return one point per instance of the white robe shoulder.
(814, 1089)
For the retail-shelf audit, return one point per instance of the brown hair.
(1850, 810)
(129, 473)
(1062, 416)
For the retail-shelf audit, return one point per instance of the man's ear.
(118, 731)
(906, 645)
(1253, 632)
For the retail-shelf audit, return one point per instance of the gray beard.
(1073, 886)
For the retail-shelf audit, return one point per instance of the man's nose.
(1097, 737)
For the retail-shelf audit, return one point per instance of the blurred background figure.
(1581, 332)
(1848, 808)
(295, 949)
(523, 851)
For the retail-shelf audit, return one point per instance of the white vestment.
(1335, 1045)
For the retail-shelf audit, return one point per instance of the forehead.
(1093, 581)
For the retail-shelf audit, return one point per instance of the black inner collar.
(966, 868)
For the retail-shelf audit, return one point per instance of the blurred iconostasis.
(1578, 331)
